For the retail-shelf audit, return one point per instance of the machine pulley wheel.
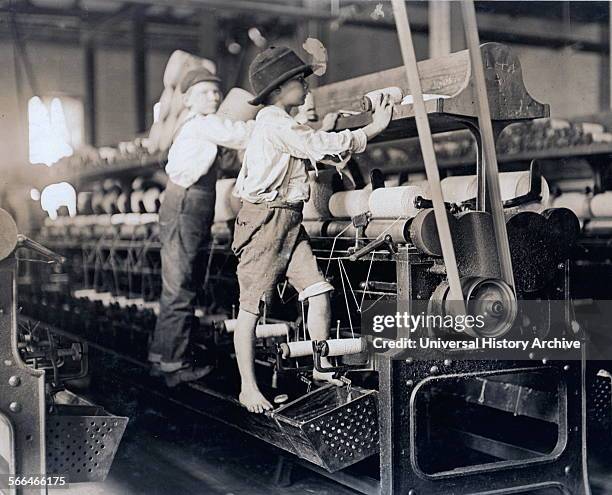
(489, 300)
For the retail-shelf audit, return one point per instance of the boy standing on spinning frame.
(273, 184)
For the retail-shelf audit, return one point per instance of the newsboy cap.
(194, 76)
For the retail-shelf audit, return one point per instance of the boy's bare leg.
(244, 341)
(319, 317)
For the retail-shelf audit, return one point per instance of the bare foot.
(326, 377)
(254, 401)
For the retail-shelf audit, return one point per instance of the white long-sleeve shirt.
(195, 146)
(278, 146)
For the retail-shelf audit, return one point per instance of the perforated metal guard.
(600, 402)
(331, 426)
(82, 447)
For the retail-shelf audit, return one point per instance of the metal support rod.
(427, 149)
(90, 90)
(26, 242)
(489, 167)
(208, 33)
(140, 69)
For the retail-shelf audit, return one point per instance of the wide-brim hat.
(273, 67)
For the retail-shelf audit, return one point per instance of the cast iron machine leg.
(22, 393)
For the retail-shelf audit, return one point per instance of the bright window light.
(55, 128)
(57, 195)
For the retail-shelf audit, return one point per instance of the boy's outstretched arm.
(225, 132)
(303, 142)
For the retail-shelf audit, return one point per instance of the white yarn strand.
(365, 289)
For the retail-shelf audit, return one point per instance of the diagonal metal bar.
(427, 149)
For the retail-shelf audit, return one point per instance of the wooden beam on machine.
(439, 28)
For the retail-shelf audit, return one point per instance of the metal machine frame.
(399, 382)
(22, 389)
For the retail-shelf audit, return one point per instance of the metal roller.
(424, 232)
(334, 228)
(533, 253)
(598, 226)
(314, 228)
(399, 231)
(566, 228)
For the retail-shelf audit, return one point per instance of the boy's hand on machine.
(383, 109)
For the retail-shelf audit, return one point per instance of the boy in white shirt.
(185, 218)
(273, 184)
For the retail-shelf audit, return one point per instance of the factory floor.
(161, 455)
(170, 451)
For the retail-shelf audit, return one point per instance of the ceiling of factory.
(176, 22)
(578, 11)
